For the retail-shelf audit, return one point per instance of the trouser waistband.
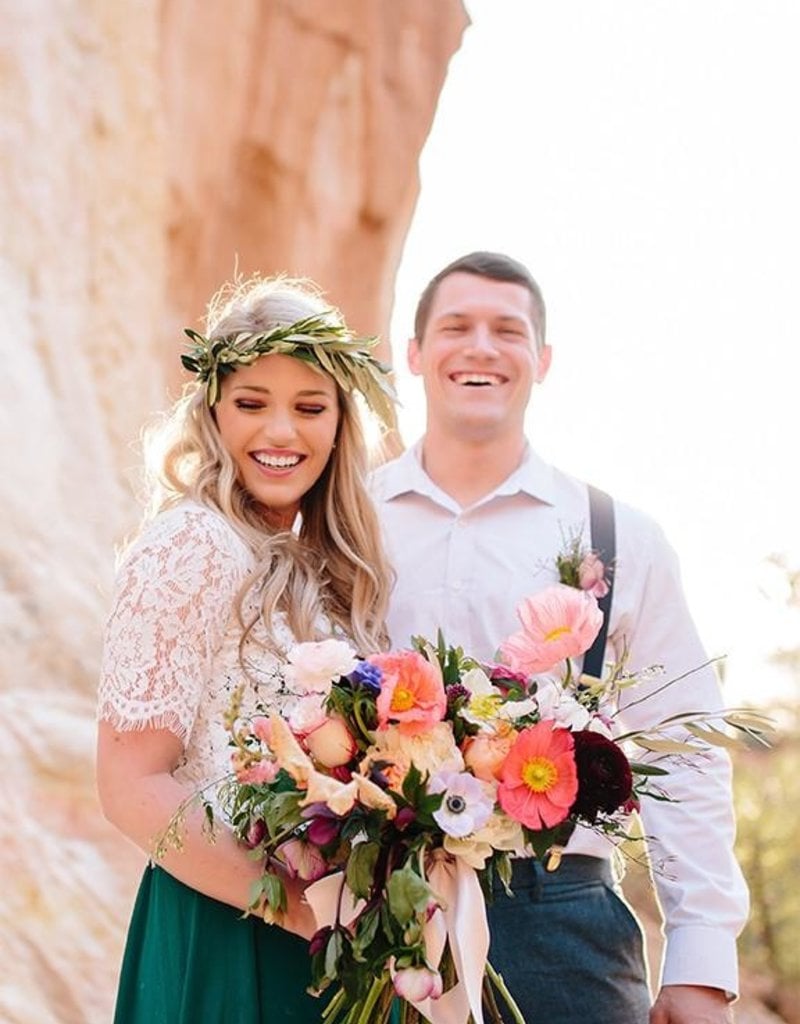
(530, 873)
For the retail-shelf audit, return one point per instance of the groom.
(474, 520)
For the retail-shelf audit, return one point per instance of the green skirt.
(192, 960)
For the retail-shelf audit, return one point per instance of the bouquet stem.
(496, 980)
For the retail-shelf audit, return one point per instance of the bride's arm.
(139, 796)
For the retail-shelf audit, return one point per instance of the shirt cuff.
(697, 955)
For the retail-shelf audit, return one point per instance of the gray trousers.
(567, 945)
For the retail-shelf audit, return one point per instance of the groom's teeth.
(477, 378)
(276, 461)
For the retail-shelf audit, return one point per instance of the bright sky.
(643, 160)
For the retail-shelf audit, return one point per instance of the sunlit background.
(645, 167)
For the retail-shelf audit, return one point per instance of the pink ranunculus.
(258, 773)
(592, 575)
(540, 778)
(417, 983)
(485, 753)
(331, 744)
(557, 623)
(303, 860)
(412, 692)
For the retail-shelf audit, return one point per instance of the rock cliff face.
(147, 148)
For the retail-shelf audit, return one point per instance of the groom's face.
(478, 356)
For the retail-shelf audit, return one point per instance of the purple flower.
(367, 675)
(457, 696)
(322, 831)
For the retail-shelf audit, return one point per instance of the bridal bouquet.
(399, 785)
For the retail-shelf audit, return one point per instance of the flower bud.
(417, 983)
(255, 833)
(319, 940)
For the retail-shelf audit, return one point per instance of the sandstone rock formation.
(145, 147)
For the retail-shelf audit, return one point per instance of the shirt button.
(456, 585)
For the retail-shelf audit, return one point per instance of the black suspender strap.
(604, 543)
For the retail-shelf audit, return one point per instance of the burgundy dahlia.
(605, 781)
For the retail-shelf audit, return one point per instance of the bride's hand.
(298, 917)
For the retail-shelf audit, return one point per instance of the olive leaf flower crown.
(325, 345)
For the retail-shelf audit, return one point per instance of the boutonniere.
(580, 567)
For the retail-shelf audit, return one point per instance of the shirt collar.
(406, 474)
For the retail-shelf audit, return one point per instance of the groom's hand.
(691, 1004)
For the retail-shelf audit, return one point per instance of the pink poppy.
(412, 692)
(539, 780)
(557, 623)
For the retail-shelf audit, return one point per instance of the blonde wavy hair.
(334, 570)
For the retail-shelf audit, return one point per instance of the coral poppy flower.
(412, 692)
(539, 781)
(559, 622)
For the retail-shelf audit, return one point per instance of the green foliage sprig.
(324, 344)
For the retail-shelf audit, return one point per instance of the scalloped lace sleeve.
(173, 602)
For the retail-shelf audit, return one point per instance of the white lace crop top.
(171, 654)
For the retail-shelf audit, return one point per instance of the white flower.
(485, 699)
(559, 706)
(306, 713)
(467, 805)
(514, 709)
(313, 666)
(598, 724)
(488, 703)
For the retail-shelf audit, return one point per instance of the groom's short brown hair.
(497, 267)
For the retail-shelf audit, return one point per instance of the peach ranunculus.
(331, 744)
(485, 753)
(431, 752)
(539, 781)
(499, 833)
(412, 692)
(557, 623)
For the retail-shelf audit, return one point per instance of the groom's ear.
(414, 356)
(543, 357)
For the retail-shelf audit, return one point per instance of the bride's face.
(278, 419)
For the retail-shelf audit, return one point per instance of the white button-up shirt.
(464, 570)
